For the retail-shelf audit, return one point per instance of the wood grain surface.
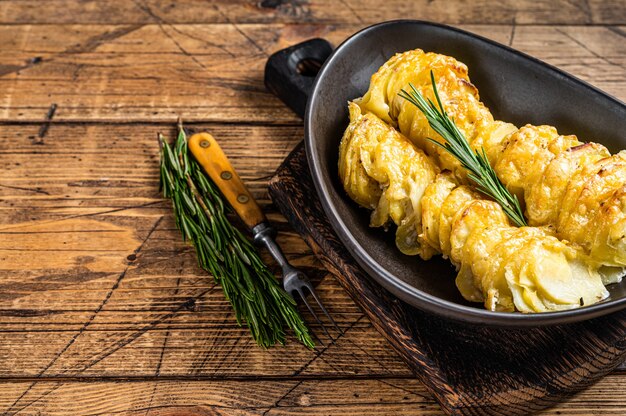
(102, 307)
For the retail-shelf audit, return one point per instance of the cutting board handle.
(290, 73)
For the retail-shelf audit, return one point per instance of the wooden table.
(102, 308)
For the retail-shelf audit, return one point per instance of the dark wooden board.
(470, 370)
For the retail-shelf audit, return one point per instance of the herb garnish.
(476, 162)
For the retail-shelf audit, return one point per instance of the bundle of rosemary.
(222, 250)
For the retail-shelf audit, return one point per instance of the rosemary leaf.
(475, 161)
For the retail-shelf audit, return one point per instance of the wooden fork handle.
(208, 153)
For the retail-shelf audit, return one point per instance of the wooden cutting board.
(471, 370)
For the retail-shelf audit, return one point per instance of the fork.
(210, 156)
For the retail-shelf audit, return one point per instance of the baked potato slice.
(544, 198)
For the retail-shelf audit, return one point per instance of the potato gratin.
(574, 193)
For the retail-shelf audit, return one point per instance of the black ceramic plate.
(516, 88)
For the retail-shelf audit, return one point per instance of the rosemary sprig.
(476, 162)
(223, 251)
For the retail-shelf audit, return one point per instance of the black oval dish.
(516, 88)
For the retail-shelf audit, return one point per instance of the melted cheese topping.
(505, 267)
(576, 188)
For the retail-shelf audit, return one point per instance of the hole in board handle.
(308, 67)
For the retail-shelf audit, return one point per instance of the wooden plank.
(202, 340)
(164, 319)
(322, 11)
(381, 396)
(93, 267)
(154, 73)
(117, 166)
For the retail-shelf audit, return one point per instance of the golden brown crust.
(549, 172)
(383, 171)
(434, 214)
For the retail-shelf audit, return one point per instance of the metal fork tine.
(318, 339)
(319, 302)
(312, 333)
(301, 293)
